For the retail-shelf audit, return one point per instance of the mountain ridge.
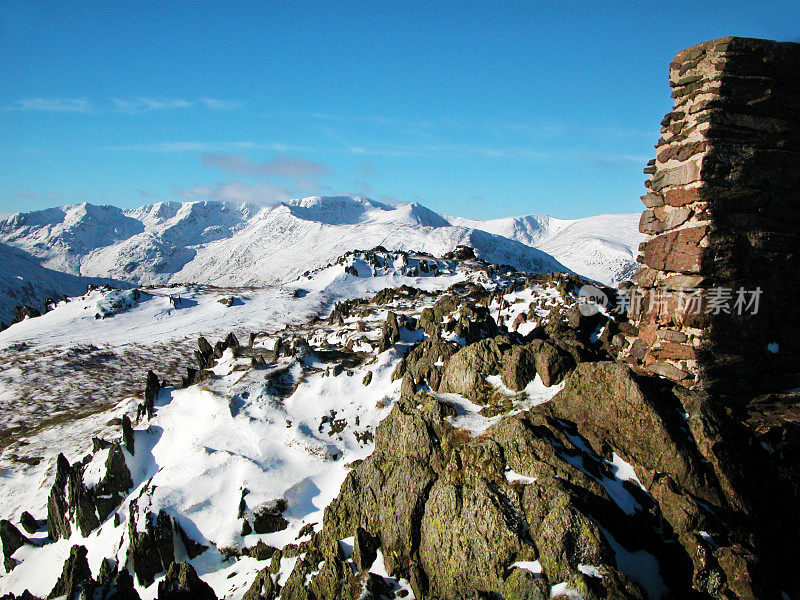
(247, 244)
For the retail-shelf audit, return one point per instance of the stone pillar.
(722, 217)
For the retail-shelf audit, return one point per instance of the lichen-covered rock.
(263, 587)
(467, 369)
(614, 409)
(451, 522)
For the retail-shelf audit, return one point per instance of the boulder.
(552, 364)
(28, 522)
(467, 369)
(519, 367)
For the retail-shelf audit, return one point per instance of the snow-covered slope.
(602, 247)
(25, 282)
(225, 244)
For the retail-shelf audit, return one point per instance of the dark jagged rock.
(119, 588)
(231, 341)
(268, 519)
(117, 479)
(151, 546)
(26, 595)
(70, 501)
(99, 444)
(57, 507)
(260, 551)
(12, 540)
(108, 569)
(76, 577)
(182, 583)
(127, 434)
(28, 522)
(390, 333)
(151, 393)
(205, 348)
(461, 253)
(25, 312)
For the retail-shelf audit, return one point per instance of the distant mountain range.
(60, 250)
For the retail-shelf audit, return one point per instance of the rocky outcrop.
(151, 543)
(449, 520)
(71, 503)
(76, 577)
(182, 583)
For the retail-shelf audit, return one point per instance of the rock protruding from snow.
(182, 583)
(12, 540)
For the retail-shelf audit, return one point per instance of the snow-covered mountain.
(246, 244)
(601, 247)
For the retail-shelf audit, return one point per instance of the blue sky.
(472, 108)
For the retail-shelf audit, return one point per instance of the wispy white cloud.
(187, 146)
(144, 104)
(209, 147)
(54, 105)
(217, 104)
(238, 192)
(283, 166)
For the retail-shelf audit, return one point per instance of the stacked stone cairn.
(712, 306)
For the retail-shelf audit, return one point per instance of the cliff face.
(714, 297)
